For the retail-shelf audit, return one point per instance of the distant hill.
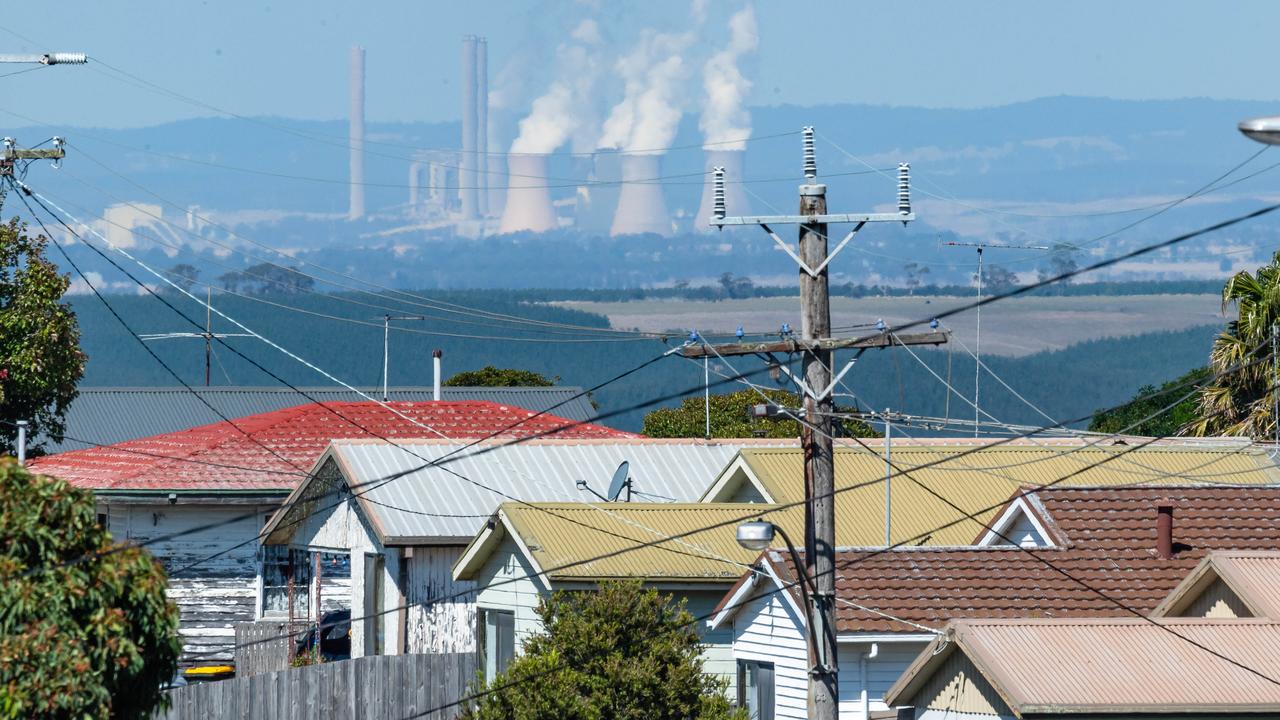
(1039, 163)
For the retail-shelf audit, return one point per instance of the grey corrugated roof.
(102, 416)
(542, 470)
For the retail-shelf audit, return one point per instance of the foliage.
(1239, 401)
(309, 656)
(184, 275)
(731, 418)
(88, 633)
(40, 358)
(999, 279)
(1062, 260)
(736, 287)
(915, 273)
(619, 653)
(265, 278)
(1132, 419)
(490, 376)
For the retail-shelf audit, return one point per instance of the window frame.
(763, 678)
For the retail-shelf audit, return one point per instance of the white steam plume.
(559, 113)
(653, 74)
(725, 121)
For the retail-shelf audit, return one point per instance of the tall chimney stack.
(1164, 530)
(355, 125)
(528, 205)
(482, 126)
(467, 177)
(735, 196)
(641, 207)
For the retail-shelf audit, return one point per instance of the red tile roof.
(197, 459)
(1110, 537)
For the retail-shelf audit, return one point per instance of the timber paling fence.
(382, 687)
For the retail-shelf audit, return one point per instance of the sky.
(288, 57)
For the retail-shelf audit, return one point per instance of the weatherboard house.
(198, 498)
(1055, 553)
(403, 514)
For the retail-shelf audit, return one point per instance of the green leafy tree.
(40, 358)
(619, 653)
(184, 275)
(490, 376)
(731, 418)
(85, 629)
(1135, 418)
(1239, 400)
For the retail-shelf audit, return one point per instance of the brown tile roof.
(1116, 665)
(1111, 547)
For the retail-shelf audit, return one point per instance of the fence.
(383, 687)
(263, 647)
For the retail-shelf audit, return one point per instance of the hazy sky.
(287, 57)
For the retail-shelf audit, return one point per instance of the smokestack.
(528, 199)
(467, 178)
(735, 196)
(435, 366)
(482, 126)
(641, 207)
(355, 123)
(1164, 531)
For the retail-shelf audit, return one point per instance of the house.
(979, 482)
(1186, 668)
(530, 550)
(403, 536)
(108, 415)
(1228, 583)
(892, 603)
(200, 497)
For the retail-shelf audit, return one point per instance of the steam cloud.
(725, 122)
(560, 112)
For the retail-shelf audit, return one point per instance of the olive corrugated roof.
(980, 482)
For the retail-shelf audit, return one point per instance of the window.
(755, 689)
(278, 563)
(496, 631)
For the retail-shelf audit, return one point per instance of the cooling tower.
(467, 178)
(735, 198)
(355, 125)
(528, 205)
(482, 127)
(641, 207)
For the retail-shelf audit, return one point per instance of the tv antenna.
(208, 334)
(977, 350)
(621, 480)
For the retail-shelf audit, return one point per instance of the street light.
(758, 535)
(1264, 129)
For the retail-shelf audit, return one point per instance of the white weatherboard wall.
(217, 592)
(767, 629)
(441, 614)
(342, 528)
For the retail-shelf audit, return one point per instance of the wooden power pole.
(817, 386)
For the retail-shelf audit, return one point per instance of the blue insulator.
(740, 332)
(933, 323)
(693, 336)
(880, 325)
(786, 328)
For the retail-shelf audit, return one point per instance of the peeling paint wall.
(433, 625)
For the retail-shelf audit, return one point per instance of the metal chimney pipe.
(435, 366)
(482, 126)
(22, 442)
(467, 176)
(1164, 531)
(355, 124)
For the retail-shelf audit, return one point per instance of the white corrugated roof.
(421, 505)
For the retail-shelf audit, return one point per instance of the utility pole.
(12, 153)
(386, 346)
(977, 343)
(817, 386)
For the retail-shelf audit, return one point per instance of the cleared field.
(1014, 327)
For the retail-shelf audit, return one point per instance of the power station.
(475, 191)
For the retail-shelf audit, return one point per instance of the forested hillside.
(1066, 384)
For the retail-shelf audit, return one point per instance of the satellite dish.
(620, 481)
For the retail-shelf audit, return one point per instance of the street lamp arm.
(808, 590)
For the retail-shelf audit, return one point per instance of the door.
(374, 620)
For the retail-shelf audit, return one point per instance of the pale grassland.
(1017, 326)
